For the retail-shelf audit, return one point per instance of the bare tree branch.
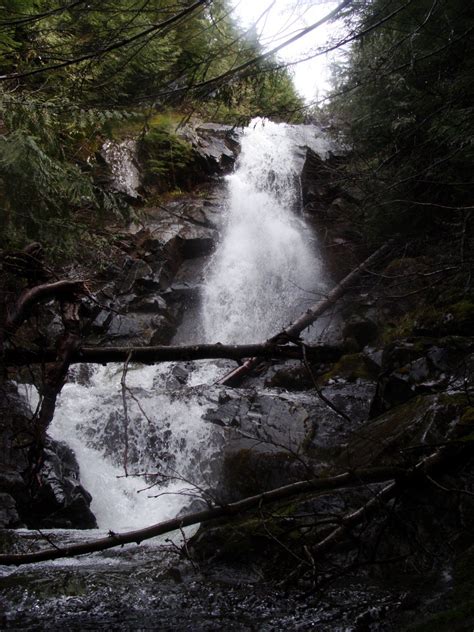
(323, 485)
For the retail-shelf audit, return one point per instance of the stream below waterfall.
(164, 456)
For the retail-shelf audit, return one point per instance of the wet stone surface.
(169, 594)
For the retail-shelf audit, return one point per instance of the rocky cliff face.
(56, 498)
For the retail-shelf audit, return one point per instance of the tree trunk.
(156, 354)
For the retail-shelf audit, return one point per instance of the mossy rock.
(296, 378)
(455, 319)
(362, 330)
(241, 540)
(246, 472)
(456, 613)
(420, 422)
(407, 266)
(468, 416)
(351, 367)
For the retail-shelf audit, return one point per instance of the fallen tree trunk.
(321, 485)
(293, 331)
(155, 354)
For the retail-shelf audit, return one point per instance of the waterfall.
(257, 280)
(265, 265)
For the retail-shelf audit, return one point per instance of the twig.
(125, 414)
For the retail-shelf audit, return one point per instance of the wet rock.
(274, 438)
(363, 330)
(290, 377)
(121, 161)
(423, 421)
(215, 146)
(15, 415)
(351, 367)
(124, 327)
(164, 329)
(197, 242)
(148, 304)
(9, 518)
(11, 481)
(61, 501)
(134, 271)
(102, 321)
(417, 366)
(332, 206)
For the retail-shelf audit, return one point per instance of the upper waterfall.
(265, 264)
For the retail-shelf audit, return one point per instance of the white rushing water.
(265, 265)
(164, 434)
(258, 279)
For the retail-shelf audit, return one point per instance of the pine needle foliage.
(406, 106)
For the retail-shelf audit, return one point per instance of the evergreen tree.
(406, 104)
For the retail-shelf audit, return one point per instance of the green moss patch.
(351, 367)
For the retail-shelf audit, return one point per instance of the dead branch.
(61, 290)
(353, 518)
(55, 378)
(318, 485)
(123, 383)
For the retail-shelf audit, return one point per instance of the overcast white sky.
(285, 18)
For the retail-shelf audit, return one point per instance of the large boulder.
(60, 500)
(276, 437)
(417, 366)
(215, 146)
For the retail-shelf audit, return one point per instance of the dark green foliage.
(165, 156)
(406, 103)
(47, 193)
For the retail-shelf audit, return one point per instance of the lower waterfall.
(145, 467)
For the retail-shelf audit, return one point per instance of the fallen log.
(156, 354)
(293, 331)
(319, 485)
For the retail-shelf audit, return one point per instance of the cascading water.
(265, 266)
(257, 280)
